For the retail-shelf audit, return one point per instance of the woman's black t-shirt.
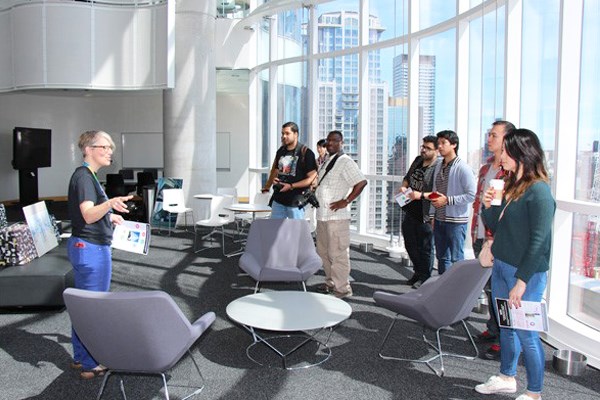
(85, 187)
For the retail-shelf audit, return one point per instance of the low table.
(288, 311)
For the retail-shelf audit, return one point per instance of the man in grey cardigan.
(454, 188)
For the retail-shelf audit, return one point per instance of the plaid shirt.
(340, 180)
(477, 203)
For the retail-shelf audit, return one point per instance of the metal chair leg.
(436, 346)
(164, 380)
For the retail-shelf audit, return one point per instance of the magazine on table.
(531, 316)
(132, 236)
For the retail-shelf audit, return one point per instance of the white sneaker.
(524, 396)
(497, 385)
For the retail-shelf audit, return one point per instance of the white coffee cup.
(498, 185)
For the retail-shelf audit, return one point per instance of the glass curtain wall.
(539, 66)
(389, 77)
(486, 81)
(584, 280)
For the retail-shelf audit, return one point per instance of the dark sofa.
(39, 283)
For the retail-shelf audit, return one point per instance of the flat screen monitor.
(31, 148)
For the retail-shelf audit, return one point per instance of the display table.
(39, 283)
(288, 311)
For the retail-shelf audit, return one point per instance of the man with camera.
(293, 170)
(340, 182)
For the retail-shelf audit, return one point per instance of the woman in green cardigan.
(522, 228)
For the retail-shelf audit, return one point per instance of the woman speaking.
(92, 219)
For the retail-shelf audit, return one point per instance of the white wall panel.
(114, 44)
(143, 72)
(84, 46)
(68, 46)
(28, 46)
(6, 59)
(232, 117)
(160, 57)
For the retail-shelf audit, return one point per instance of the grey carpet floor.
(35, 344)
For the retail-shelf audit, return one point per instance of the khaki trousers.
(333, 246)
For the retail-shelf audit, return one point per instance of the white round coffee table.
(288, 311)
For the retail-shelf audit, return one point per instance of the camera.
(307, 197)
(277, 187)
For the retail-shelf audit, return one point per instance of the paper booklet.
(132, 236)
(402, 198)
(531, 316)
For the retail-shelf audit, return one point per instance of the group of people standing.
(442, 188)
(337, 182)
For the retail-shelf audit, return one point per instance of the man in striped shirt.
(454, 188)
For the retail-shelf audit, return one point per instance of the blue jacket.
(462, 187)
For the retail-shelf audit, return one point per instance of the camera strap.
(328, 168)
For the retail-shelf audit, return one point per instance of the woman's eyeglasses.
(105, 147)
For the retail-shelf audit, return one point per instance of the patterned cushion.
(16, 245)
(3, 223)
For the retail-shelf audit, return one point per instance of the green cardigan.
(523, 236)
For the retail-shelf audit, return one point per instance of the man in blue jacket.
(454, 188)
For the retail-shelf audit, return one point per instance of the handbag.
(486, 258)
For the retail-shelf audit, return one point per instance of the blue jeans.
(92, 267)
(513, 341)
(279, 211)
(449, 243)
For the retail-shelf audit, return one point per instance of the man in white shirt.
(340, 182)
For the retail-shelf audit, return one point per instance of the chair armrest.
(203, 323)
(250, 264)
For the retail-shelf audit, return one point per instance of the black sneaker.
(412, 280)
(486, 336)
(324, 288)
(417, 284)
(492, 353)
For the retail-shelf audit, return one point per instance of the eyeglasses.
(105, 147)
(426, 148)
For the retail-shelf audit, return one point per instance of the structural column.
(189, 109)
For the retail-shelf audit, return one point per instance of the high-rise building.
(426, 89)
(397, 162)
(338, 107)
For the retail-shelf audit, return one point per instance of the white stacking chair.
(228, 191)
(259, 198)
(219, 217)
(174, 203)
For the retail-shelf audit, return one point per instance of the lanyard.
(87, 165)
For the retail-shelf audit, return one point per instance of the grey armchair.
(280, 250)
(443, 302)
(134, 332)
